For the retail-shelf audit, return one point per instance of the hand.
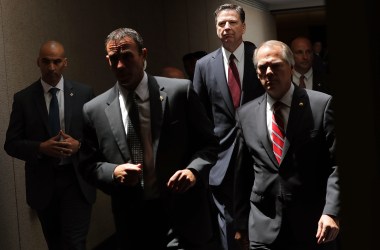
(128, 174)
(328, 229)
(54, 147)
(181, 181)
(242, 239)
(73, 144)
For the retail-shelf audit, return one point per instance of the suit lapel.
(157, 99)
(221, 81)
(299, 103)
(41, 105)
(69, 96)
(263, 129)
(115, 120)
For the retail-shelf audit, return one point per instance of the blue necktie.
(54, 123)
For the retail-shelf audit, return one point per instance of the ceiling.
(274, 5)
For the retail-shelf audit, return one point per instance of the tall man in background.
(222, 89)
(54, 188)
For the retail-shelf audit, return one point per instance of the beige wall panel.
(170, 29)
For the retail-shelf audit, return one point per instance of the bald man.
(61, 198)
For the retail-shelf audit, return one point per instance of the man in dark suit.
(160, 201)
(286, 183)
(54, 188)
(315, 77)
(210, 82)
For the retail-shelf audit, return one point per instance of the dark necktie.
(133, 133)
(278, 131)
(302, 82)
(234, 82)
(54, 122)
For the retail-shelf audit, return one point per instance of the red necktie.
(234, 82)
(278, 131)
(302, 82)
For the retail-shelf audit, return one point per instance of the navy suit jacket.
(211, 85)
(28, 127)
(182, 137)
(303, 186)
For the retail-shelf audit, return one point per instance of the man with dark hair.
(149, 144)
(225, 79)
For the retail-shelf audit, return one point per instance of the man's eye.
(114, 58)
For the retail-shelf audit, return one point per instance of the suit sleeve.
(243, 181)
(203, 140)
(332, 205)
(16, 143)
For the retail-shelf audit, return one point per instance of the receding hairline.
(52, 44)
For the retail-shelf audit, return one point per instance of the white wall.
(170, 29)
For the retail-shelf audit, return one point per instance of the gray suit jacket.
(306, 183)
(28, 127)
(182, 137)
(211, 85)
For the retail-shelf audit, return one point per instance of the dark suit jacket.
(320, 81)
(182, 138)
(211, 85)
(28, 127)
(304, 186)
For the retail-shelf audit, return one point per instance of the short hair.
(229, 6)
(286, 52)
(121, 33)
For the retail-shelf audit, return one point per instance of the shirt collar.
(141, 89)
(307, 74)
(286, 99)
(47, 86)
(239, 53)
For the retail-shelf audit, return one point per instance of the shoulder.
(77, 85)
(29, 90)
(103, 98)
(172, 83)
(210, 56)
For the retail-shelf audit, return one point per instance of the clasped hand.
(128, 174)
(60, 146)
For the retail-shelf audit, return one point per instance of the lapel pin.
(161, 98)
(301, 104)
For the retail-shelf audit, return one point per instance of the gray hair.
(286, 52)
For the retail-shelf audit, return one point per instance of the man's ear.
(65, 62)
(108, 60)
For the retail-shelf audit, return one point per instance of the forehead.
(302, 44)
(228, 15)
(269, 55)
(120, 45)
(51, 52)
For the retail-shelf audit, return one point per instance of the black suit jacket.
(28, 127)
(211, 85)
(303, 186)
(182, 137)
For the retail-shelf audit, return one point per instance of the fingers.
(326, 232)
(181, 181)
(128, 174)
